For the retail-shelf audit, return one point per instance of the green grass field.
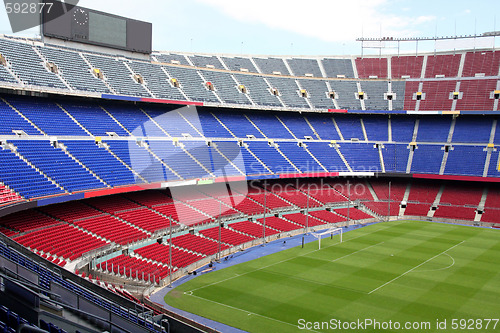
(412, 273)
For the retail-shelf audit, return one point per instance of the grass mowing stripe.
(249, 312)
(283, 290)
(410, 270)
(350, 254)
(442, 268)
(284, 260)
(316, 282)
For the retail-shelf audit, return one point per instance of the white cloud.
(424, 19)
(332, 20)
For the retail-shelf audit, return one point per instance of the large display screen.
(107, 29)
(93, 27)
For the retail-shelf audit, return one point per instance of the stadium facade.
(120, 173)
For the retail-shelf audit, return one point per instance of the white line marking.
(311, 281)
(417, 234)
(247, 312)
(317, 282)
(440, 269)
(284, 260)
(410, 270)
(217, 282)
(350, 254)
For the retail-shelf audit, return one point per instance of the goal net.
(331, 232)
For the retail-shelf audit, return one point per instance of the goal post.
(331, 232)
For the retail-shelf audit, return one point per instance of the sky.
(309, 27)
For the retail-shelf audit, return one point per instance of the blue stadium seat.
(211, 127)
(327, 156)
(238, 124)
(324, 126)
(300, 157)
(134, 120)
(395, 157)
(94, 119)
(242, 158)
(297, 124)
(47, 115)
(141, 161)
(176, 158)
(350, 127)
(362, 157)
(101, 162)
(433, 129)
(472, 130)
(177, 122)
(427, 159)
(10, 120)
(270, 125)
(466, 160)
(22, 178)
(376, 128)
(271, 157)
(57, 165)
(402, 128)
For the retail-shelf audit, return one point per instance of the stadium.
(152, 191)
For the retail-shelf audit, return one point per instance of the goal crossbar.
(331, 231)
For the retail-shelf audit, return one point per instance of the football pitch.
(387, 277)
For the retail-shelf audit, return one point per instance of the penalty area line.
(287, 259)
(412, 269)
(350, 254)
(442, 268)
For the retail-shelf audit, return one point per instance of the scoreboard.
(98, 28)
